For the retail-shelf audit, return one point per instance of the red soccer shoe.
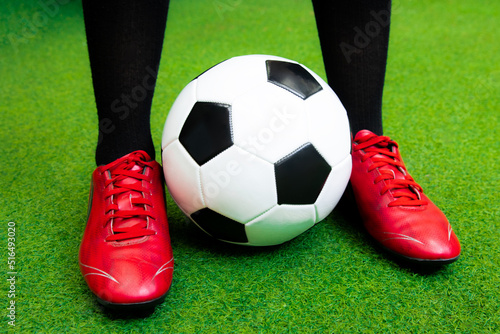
(393, 207)
(125, 255)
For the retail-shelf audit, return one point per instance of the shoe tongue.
(395, 170)
(390, 148)
(362, 133)
(124, 200)
(398, 174)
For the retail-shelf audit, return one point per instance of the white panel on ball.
(223, 82)
(269, 121)
(334, 188)
(182, 175)
(238, 185)
(178, 113)
(325, 111)
(280, 224)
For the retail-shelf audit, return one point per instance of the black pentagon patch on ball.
(292, 77)
(207, 131)
(301, 175)
(219, 226)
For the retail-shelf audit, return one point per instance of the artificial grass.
(440, 103)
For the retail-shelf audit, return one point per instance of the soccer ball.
(256, 150)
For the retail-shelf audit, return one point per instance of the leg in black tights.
(125, 39)
(354, 37)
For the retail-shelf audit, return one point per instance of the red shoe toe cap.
(131, 281)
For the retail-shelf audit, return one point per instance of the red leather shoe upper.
(125, 254)
(393, 207)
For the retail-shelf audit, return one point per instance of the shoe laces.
(129, 211)
(384, 154)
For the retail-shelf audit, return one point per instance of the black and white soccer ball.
(256, 150)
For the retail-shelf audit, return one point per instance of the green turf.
(441, 104)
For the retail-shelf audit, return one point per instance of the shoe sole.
(144, 306)
(423, 263)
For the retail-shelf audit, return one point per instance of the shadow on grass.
(186, 234)
(195, 238)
